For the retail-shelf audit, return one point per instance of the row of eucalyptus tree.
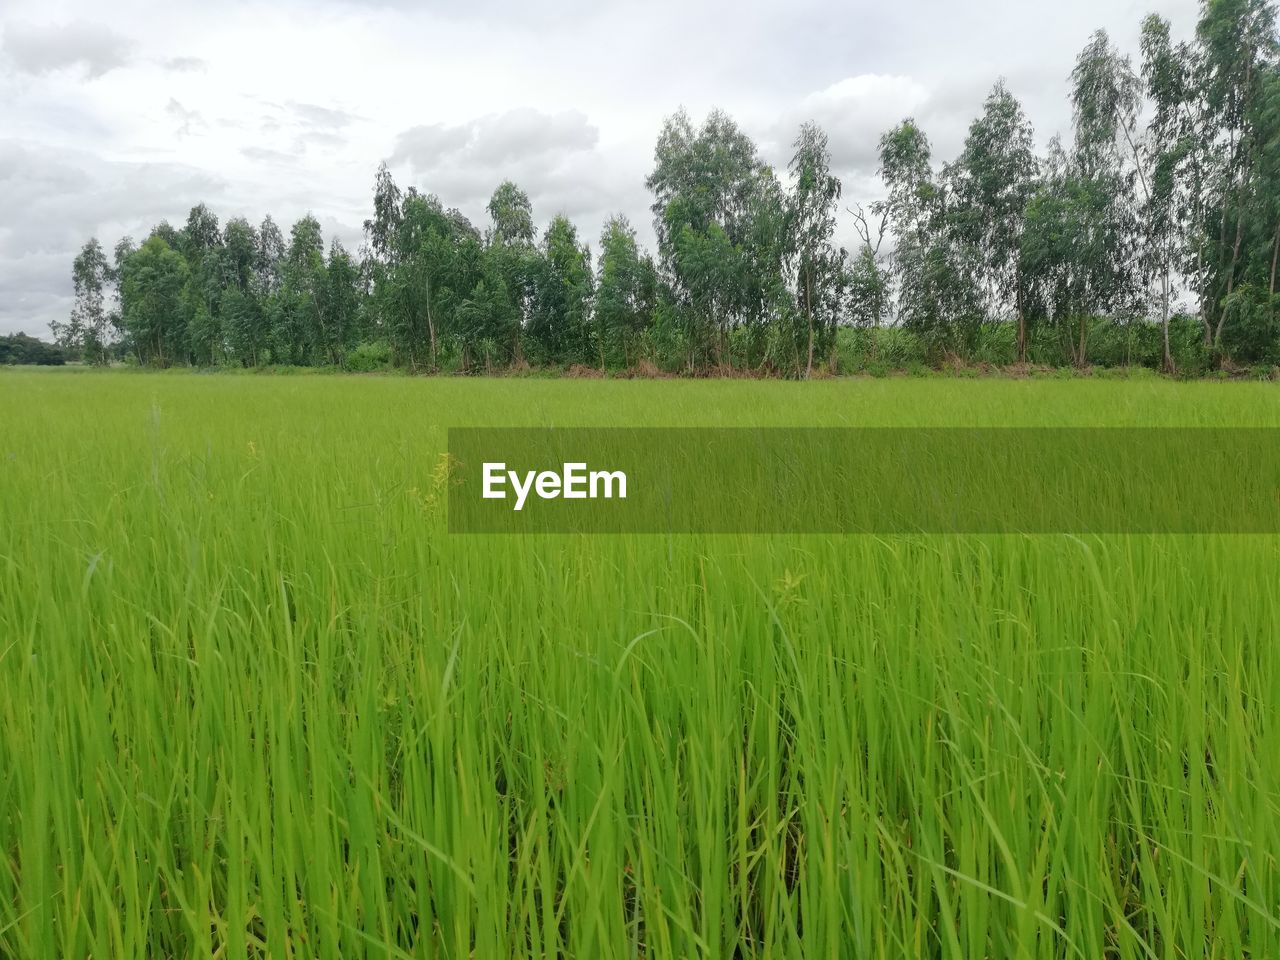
(1171, 182)
(1166, 192)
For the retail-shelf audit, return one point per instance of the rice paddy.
(256, 701)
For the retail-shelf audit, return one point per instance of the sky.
(116, 116)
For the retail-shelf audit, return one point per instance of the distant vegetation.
(18, 348)
(1168, 193)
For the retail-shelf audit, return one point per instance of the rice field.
(255, 701)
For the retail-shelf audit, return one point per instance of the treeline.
(20, 349)
(1165, 198)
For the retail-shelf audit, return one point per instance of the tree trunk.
(431, 331)
(1210, 300)
(1204, 296)
(1231, 275)
(1245, 176)
(1022, 327)
(1164, 321)
(1275, 249)
(808, 307)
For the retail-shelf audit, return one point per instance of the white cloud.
(554, 157)
(94, 48)
(495, 141)
(854, 112)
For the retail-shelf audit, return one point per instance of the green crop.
(255, 701)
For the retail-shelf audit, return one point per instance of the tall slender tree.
(819, 267)
(992, 182)
(87, 331)
(626, 293)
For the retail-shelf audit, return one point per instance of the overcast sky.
(115, 116)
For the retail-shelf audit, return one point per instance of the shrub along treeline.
(1168, 192)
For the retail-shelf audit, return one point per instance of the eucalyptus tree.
(1173, 162)
(512, 214)
(935, 268)
(818, 266)
(719, 220)
(1097, 196)
(200, 243)
(1238, 45)
(1268, 176)
(559, 326)
(769, 299)
(1250, 320)
(379, 247)
(153, 279)
(87, 330)
(626, 294)
(870, 287)
(268, 282)
(123, 248)
(270, 258)
(381, 230)
(339, 304)
(432, 273)
(172, 237)
(242, 314)
(1070, 250)
(240, 246)
(488, 318)
(296, 333)
(509, 245)
(991, 183)
(906, 167)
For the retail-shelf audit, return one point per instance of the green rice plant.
(257, 702)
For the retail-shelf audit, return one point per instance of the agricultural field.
(258, 702)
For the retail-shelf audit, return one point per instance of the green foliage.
(989, 187)
(868, 294)
(88, 332)
(338, 304)
(559, 325)
(820, 270)
(512, 214)
(368, 357)
(880, 350)
(18, 349)
(432, 272)
(936, 263)
(152, 301)
(720, 218)
(1251, 325)
(626, 295)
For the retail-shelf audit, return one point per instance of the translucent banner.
(864, 480)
